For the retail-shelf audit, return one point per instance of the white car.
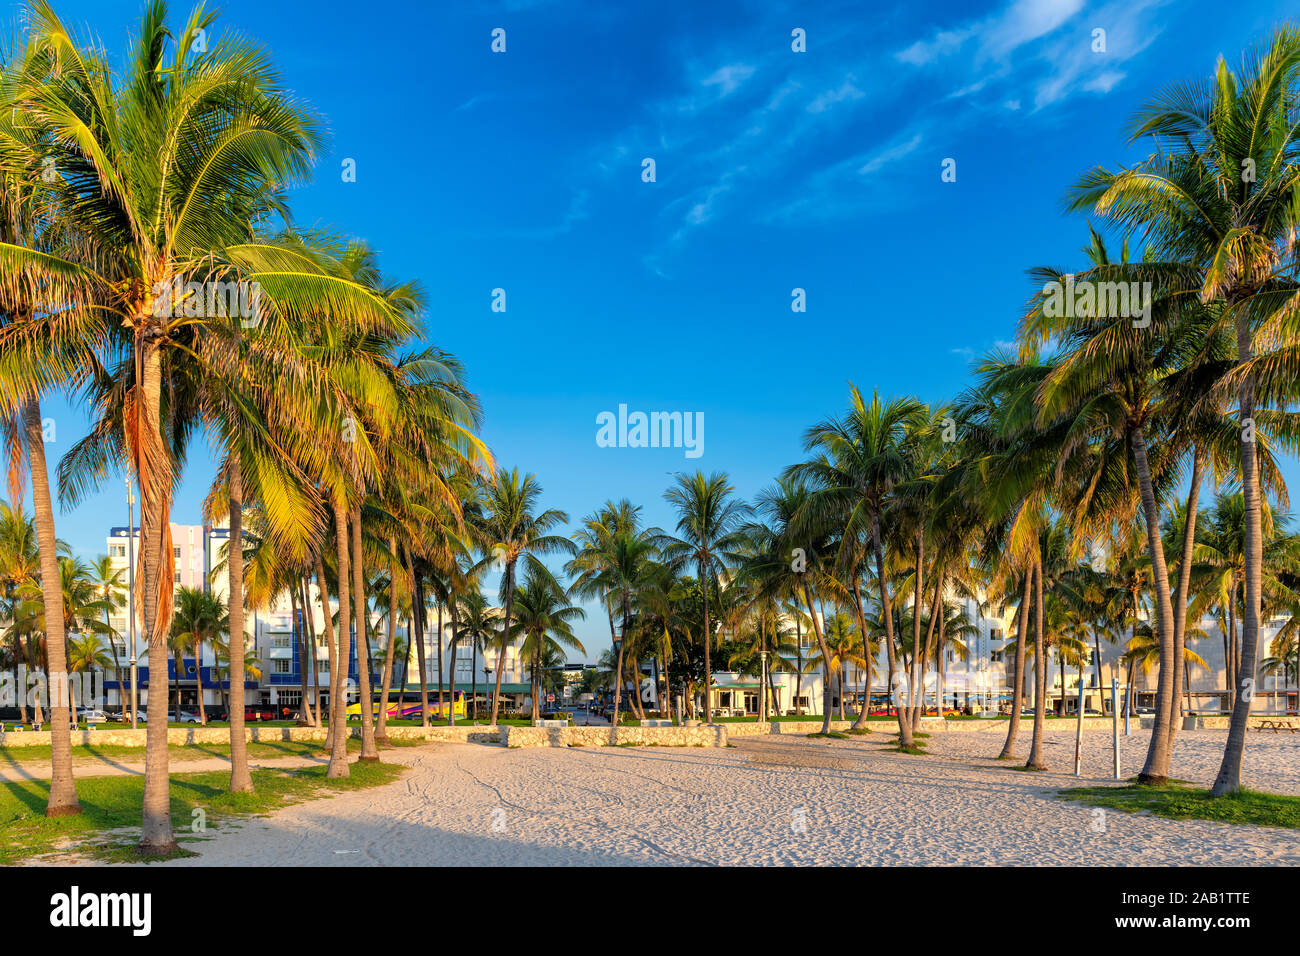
(92, 716)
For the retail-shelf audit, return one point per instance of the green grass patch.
(1248, 807)
(858, 731)
(912, 749)
(109, 825)
(832, 735)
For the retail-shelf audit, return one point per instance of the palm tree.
(478, 625)
(200, 618)
(543, 624)
(709, 530)
(843, 641)
(615, 561)
(865, 455)
(1215, 200)
(510, 530)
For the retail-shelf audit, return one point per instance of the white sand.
(767, 800)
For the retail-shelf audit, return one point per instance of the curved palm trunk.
(338, 766)
(827, 692)
(618, 678)
(442, 698)
(418, 611)
(305, 710)
(309, 619)
(154, 473)
(1182, 679)
(368, 749)
(708, 640)
(905, 738)
(473, 675)
(117, 674)
(1229, 778)
(798, 663)
(917, 605)
(451, 663)
(198, 681)
(328, 627)
(861, 721)
(63, 789)
(1156, 769)
(381, 735)
(1040, 670)
(505, 638)
(925, 653)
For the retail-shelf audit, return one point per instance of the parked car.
(184, 717)
(92, 715)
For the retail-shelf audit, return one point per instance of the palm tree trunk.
(1181, 592)
(451, 663)
(368, 749)
(442, 699)
(1156, 769)
(905, 738)
(1018, 682)
(418, 612)
(1040, 668)
(1229, 778)
(117, 674)
(708, 640)
(473, 675)
(381, 735)
(925, 652)
(153, 471)
(798, 663)
(304, 711)
(63, 789)
(618, 676)
(328, 627)
(827, 693)
(338, 766)
(505, 638)
(917, 606)
(861, 721)
(198, 682)
(309, 634)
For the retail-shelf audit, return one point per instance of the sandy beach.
(768, 800)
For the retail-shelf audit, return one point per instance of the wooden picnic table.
(1276, 726)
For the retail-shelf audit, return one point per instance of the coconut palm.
(509, 530)
(1216, 198)
(709, 529)
(543, 625)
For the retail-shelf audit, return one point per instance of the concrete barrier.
(189, 736)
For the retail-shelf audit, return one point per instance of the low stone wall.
(714, 735)
(181, 736)
(1221, 722)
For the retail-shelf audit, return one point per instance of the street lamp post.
(762, 684)
(130, 590)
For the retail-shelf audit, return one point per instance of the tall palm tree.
(1216, 199)
(543, 624)
(509, 530)
(709, 530)
(864, 457)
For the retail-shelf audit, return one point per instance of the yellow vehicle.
(407, 706)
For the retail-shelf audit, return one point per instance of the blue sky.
(775, 170)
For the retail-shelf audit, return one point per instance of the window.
(995, 656)
(801, 702)
(178, 551)
(995, 633)
(117, 550)
(279, 666)
(280, 640)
